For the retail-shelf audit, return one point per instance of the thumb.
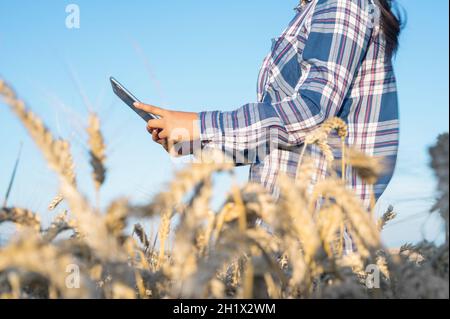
(149, 108)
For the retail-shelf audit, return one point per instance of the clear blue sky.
(189, 55)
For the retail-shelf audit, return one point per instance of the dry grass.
(252, 247)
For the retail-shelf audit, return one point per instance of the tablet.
(129, 99)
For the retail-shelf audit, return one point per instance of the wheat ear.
(368, 168)
(56, 151)
(96, 151)
(386, 218)
(20, 216)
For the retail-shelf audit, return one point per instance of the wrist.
(195, 126)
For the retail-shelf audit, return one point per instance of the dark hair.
(391, 24)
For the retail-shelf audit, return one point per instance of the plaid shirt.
(330, 61)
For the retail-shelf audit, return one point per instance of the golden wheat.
(252, 247)
(20, 217)
(96, 151)
(56, 151)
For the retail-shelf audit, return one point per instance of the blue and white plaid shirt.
(330, 61)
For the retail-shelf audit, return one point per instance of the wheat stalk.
(184, 181)
(93, 227)
(368, 169)
(60, 224)
(56, 151)
(140, 232)
(439, 163)
(20, 216)
(253, 246)
(29, 253)
(96, 151)
(365, 231)
(386, 218)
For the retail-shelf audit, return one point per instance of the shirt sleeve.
(337, 43)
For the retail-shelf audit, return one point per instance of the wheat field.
(252, 247)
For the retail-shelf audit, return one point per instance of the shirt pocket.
(285, 70)
(282, 48)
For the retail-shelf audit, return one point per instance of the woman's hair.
(391, 25)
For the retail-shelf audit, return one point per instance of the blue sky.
(189, 55)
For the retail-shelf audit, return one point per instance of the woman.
(334, 59)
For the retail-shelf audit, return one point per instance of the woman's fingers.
(156, 124)
(154, 133)
(150, 108)
(155, 136)
(156, 139)
(158, 135)
(163, 134)
(165, 145)
(163, 142)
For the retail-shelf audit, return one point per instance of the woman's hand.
(155, 137)
(172, 127)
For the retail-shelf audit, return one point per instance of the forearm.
(247, 134)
